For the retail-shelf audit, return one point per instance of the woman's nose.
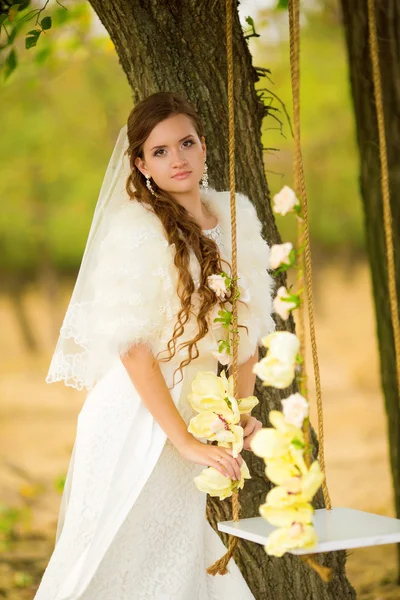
(178, 160)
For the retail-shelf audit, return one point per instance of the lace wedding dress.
(150, 540)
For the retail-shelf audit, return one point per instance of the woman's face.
(173, 147)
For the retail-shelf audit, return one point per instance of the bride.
(139, 326)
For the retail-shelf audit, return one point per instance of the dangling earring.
(149, 187)
(204, 179)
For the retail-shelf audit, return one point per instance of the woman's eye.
(157, 152)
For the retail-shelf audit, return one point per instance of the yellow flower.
(275, 372)
(269, 443)
(311, 481)
(205, 425)
(277, 419)
(246, 405)
(213, 393)
(212, 482)
(284, 515)
(282, 344)
(297, 489)
(232, 438)
(279, 470)
(287, 538)
(277, 443)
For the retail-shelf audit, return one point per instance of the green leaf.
(32, 38)
(12, 35)
(224, 345)
(297, 444)
(46, 23)
(12, 11)
(22, 580)
(3, 17)
(282, 4)
(10, 63)
(229, 403)
(59, 483)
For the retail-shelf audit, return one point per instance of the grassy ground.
(37, 428)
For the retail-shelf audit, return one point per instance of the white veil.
(72, 358)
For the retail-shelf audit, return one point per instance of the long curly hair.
(180, 227)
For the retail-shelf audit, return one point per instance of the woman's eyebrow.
(184, 138)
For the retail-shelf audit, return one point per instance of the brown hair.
(180, 227)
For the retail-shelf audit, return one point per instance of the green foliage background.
(65, 103)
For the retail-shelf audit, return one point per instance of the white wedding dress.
(133, 524)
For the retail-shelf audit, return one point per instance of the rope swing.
(362, 529)
(220, 566)
(303, 244)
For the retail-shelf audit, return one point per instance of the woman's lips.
(183, 176)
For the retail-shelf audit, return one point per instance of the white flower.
(279, 254)
(283, 345)
(223, 357)
(283, 307)
(295, 409)
(217, 283)
(285, 201)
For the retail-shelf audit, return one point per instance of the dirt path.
(37, 428)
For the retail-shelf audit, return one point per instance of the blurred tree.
(357, 32)
(68, 88)
(181, 46)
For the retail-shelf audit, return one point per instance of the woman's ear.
(203, 144)
(141, 165)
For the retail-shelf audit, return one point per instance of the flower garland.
(211, 396)
(222, 286)
(218, 420)
(288, 505)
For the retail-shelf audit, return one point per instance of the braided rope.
(294, 24)
(387, 214)
(297, 165)
(220, 566)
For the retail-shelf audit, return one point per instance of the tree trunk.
(165, 45)
(16, 292)
(388, 29)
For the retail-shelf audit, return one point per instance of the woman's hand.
(250, 427)
(212, 456)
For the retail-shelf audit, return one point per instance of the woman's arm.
(246, 377)
(246, 382)
(145, 374)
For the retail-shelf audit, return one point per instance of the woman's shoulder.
(246, 213)
(137, 222)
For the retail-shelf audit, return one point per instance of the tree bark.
(165, 45)
(388, 29)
